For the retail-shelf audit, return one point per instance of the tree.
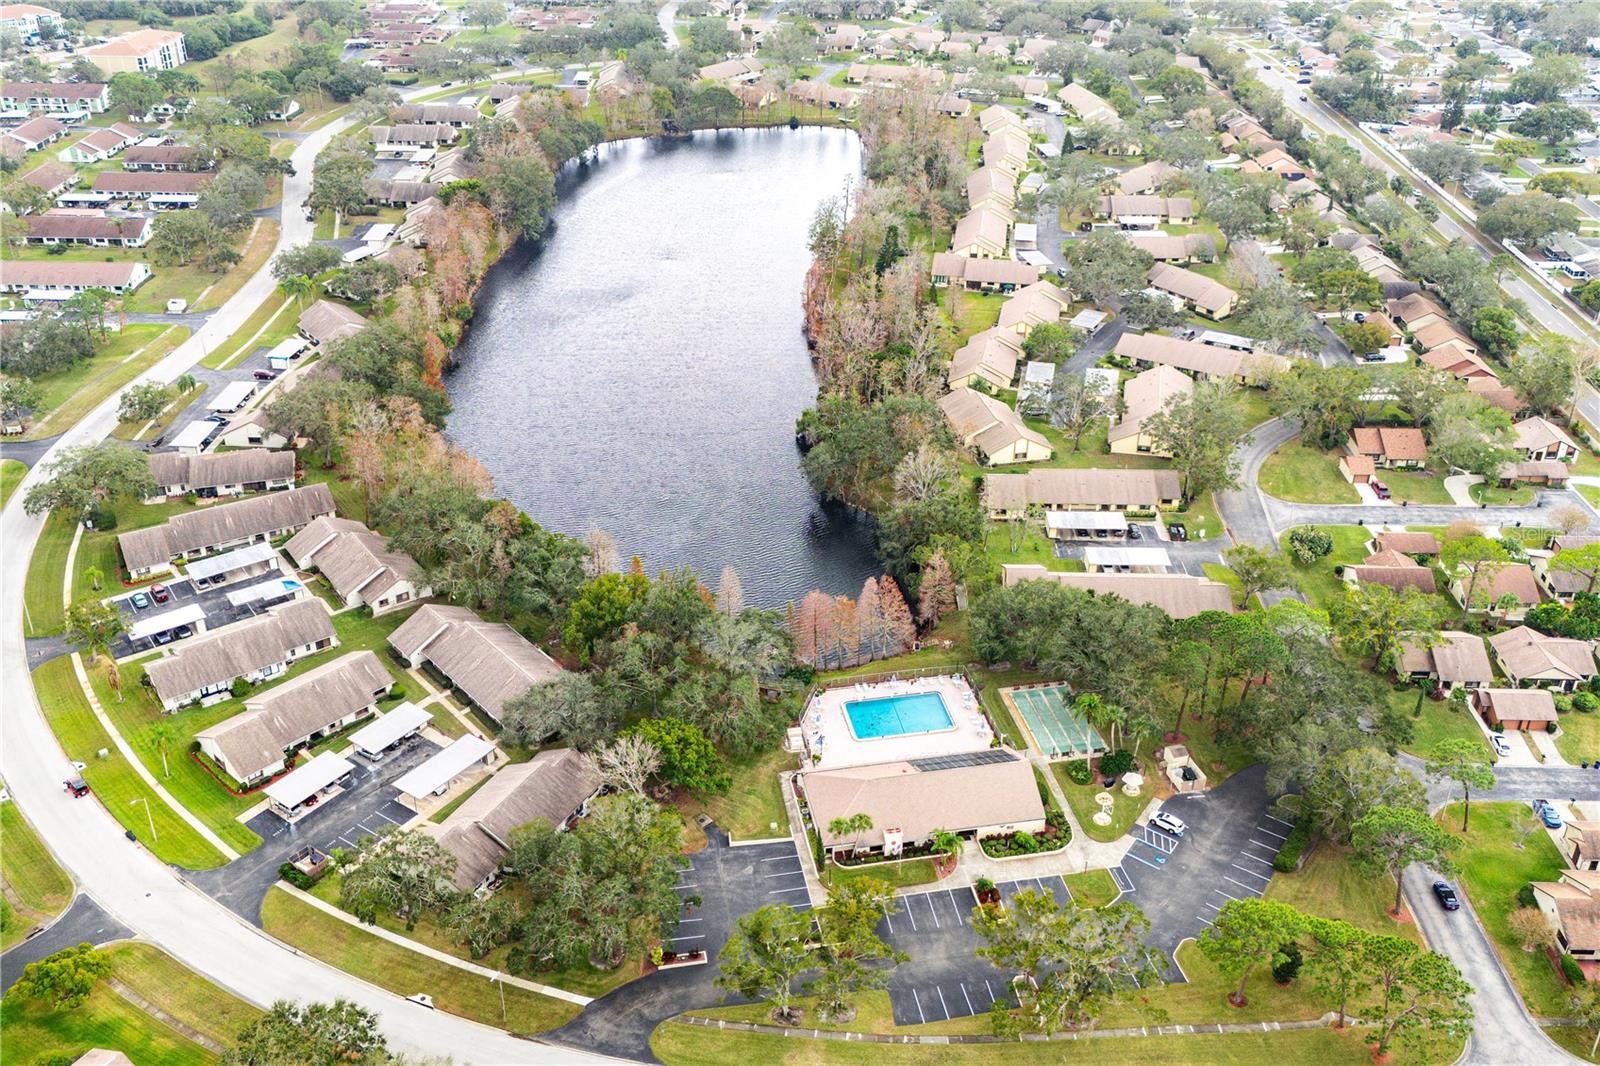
(853, 957)
(1308, 544)
(1528, 218)
(1257, 570)
(1337, 968)
(1151, 311)
(627, 762)
(1049, 342)
(481, 923)
(767, 950)
(484, 14)
(1248, 933)
(318, 408)
(305, 260)
(1389, 839)
(852, 826)
(1417, 990)
(1351, 784)
(1495, 329)
(90, 474)
(1324, 401)
(1586, 1011)
(1372, 619)
(600, 611)
(137, 93)
(1472, 559)
(1545, 375)
(403, 872)
(94, 624)
(1471, 435)
(570, 706)
(1531, 929)
(65, 978)
(94, 575)
(1275, 313)
(1561, 185)
(140, 403)
(1467, 764)
(1076, 403)
(937, 592)
(688, 760)
(338, 182)
(161, 735)
(924, 473)
(296, 287)
(18, 396)
(1553, 122)
(1201, 431)
(1364, 338)
(1584, 562)
(1076, 961)
(1445, 161)
(312, 1034)
(1105, 265)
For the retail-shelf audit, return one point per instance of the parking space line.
(1213, 906)
(778, 858)
(942, 1006)
(1219, 892)
(779, 891)
(933, 912)
(697, 936)
(1136, 858)
(691, 884)
(989, 990)
(911, 916)
(970, 1008)
(1275, 818)
(1251, 889)
(888, 920)
(1270, 833)
(686, 921)
(1255, 858)
(786, 873)
(386, 818)
(956, 907)
(1249, 873)
(918, 999)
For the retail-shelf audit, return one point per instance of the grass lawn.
(256, 329)
(1492, 870)
(1579, 739)
(11, 474)
(159, 979)
(450, 808)
(37, 1033)
(70, 394)
(1495, 496)
(34, 886)
(1579, 1042)
(406, 972)
(255, 252)
(1124, 809)
(1417, 486)
(903, 874)
(753, 808)
(42, 611)
(1200, 518)
(972, 312)
(1302, 474)
(1330, 886)
(1318, 581)
(1440, 720)
(113, 780)
(1033, 547)
(1092, 888)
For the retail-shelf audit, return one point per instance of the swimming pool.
(893, 716)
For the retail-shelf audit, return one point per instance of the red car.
(159, 593)
(1379, 489)
(77, 786)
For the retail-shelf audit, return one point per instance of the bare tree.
(603, 556)
(1076, 401)
(730, 594)
(627, 761)
(1570, 519)
(923, 473)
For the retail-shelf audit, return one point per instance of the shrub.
(1117, 763)
(299, 878)
(1308, 544)
(1079, 772)
(1287, 967)
(1586, 702)
(1571, 970)
(1525, 896)
(1563, 703)
(397, 691)
(1288, 858)
(240, 687)
(102, 517)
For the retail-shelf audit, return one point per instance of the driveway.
(1095, 347)
(1187, 556)
(213, 600)
(83, 923)
(364, 809)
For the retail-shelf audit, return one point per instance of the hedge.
(1571, 970)
(1288, 858)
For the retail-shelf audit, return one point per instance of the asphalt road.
(82, 923)
(130, 885)
(1244, 510)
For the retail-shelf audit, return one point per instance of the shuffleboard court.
(1054, 729)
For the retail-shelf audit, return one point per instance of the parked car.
(1547, 814)
(177, 306)
(1177, 531)
(1446, 896)
(139, 600)
(159, 593)
(164, 637)
(218, 419)
(77, 786)
(1133, 533)
(1380, 490)
(184, 632)
(1502, 746)
(1170, 823)
(265, 375)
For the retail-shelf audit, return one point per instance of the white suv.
(1171, 823)
(1502, 746)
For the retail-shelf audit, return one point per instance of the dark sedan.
(1446, 896)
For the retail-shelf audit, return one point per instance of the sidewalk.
(986, 1038)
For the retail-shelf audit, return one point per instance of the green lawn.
(275, 320)
(1124, 810)
(1092, 888)
(1492, 870)
(1318, 581)
(1579, 739)
(1416, 486)
(159, 979)
(218, 290)
(753, 808)
(1330, 886)
(1033, 547)
(114, 781)
(70, 394)
(903, 874)
(1440, 720)
(1302, 474)
(34, 886)
(406, 972)
(11, 474)
(1495, 496)
(42, 611)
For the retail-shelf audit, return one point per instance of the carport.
(377, 737)
(255, 558)
(190, 614)
(435, 776)
(264, 593)
(298, 792)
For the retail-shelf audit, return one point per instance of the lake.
(640, 370)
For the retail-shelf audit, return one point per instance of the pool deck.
(825, 718)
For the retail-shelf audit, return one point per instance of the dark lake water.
(641, 370)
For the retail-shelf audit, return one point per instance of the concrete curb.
(983, 1038)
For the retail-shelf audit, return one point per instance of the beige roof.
(1396, 570)
(1059, 488)
(1411, 307)
(1516, 580)
(982, 227)
(137, 43)
(984, 271)
(151, 181)
(95, 1056)
(991, 182)
(1537, 433)
(240, 649)
(1436, 333)
(413, 133)
(730, 68)
(354, 559)
(489, 661)
(432, 113)
(1197, 358)
(1518, 704)
(1142, 179)
(1577, 910)
(550, 786)
(327, 321)
(47, 272)
(48, 175)
(1198, 289)
(1409, 543)
(1527, 653)
(996, 115)
(1145, 394)
(1458, 658)
(211, 527)
(1157, 206)
(214, 469)
(1456, 360)
(1163, 246)
(1086, 104)
(70, 225)
(88, 90)
(1180, 595)
(897, 795)
(985, 422)
(1395, 443)
(1037, 304)
(255, 739)
(165, 154)
(992, 354)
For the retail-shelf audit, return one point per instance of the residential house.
(998, 116)
(212, 474)
(992, 429)
(101, 144)
(195, 533)
(982, 233)
(1068, 489)
(401, 193)
(1007, 149)
(1551, 472)
(1539, 438)
(1531, 658)
(169, 188)
(951, 106)
(140, 52)
(1035, 305)
(1516, 709)
(992, 187)
(1425, 544)
(57, 279)
(325, 321)
(36, 133)
(1205, 361)
(414, 135)
(358, 563)
(1358, 469)
(1144, 395)
(554, 786)
(1195, 291)
(93, 228)
(1458, 660)
(1389, 447)
(488, 661)
(1166, 248)
(907, 802)
(28, 21)
(50, 178)
(821, 94)
(1580, 844)
(1560, 584)
(1146, 212)
(256, 743)
(990, 356)
(1085, 105)
(162, 157)
(1492, 391)
(982, 275)
(1513, 584)
(1454, 359)
(55, 96)
(1394, 569)
(1146, 178)
(1435, 334)
(1417, 310)
(731, 72)
(204, 670)
(460, 116)
(1179, 595)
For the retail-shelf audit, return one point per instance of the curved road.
(127, 882)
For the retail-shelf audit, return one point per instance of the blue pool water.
(893, 716)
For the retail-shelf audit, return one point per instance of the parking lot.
(1188, 556)
(181, 592)
(731, 881)
(365, 808)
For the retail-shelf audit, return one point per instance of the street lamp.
(148, 816)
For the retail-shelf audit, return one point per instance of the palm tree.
(95, 576)
(161, 735)
(186, 382)
(295, 286)
(860, 822)
(840, 828)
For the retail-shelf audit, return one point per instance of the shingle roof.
(1518, 704)
(354, 559)
(1208, 359)
(489, 661)
(1196, 288)
(327, 321)
(150, 181)
(69, 225)
(1526, 653)
(46, 273)
(1063, 488)
(898, 795)
(215, 469)
(240, 649)
(1395, 443)
(1179, 595)
(1409, 543)
(212, 526)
